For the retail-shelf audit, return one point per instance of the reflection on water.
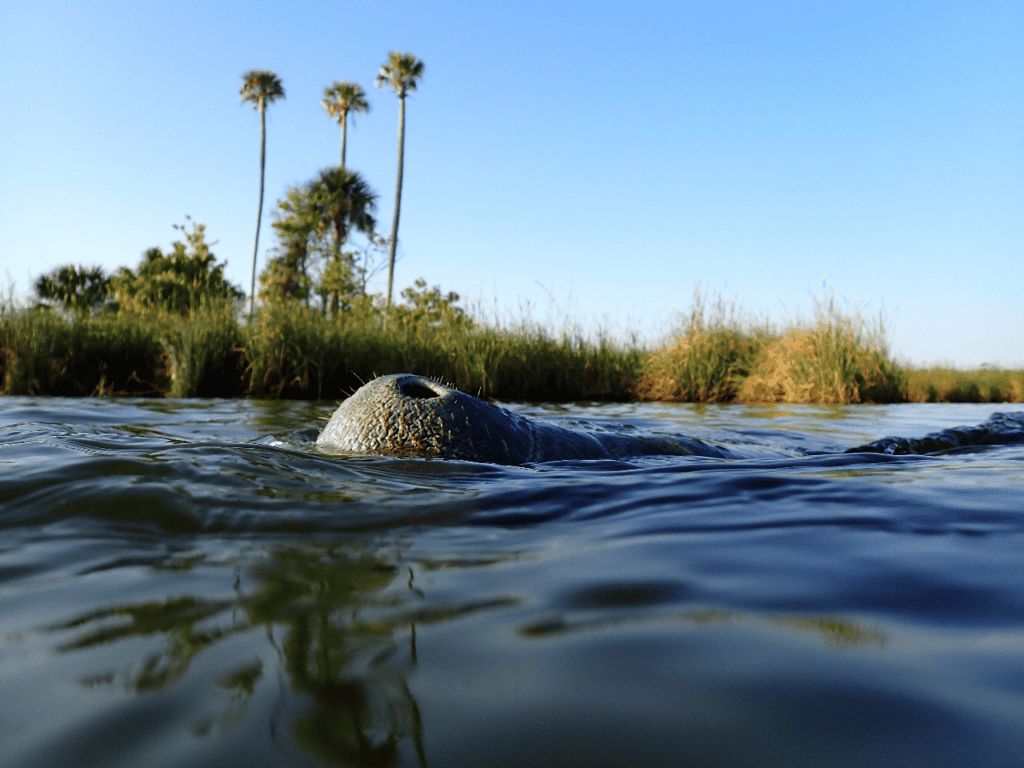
(193, 584)
(316, 608)
(343, 628)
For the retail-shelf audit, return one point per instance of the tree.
(401, 72)
(339, 201)
(176, 282)
(347, 201)
(298, 224)
(80, 289)
(429, 306)
(340, 98)
(260, 87)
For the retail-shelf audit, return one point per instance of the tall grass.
(839, 357)
(298, 353)
(715, 350)
(718, 354)
(200, 353)
(950, 385)
(43, 352)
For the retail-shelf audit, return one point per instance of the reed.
(836, 358)
(721, 354)
(201, 354)
(298, 353)
(295, 352)
(715, 350)
(718, 354)
(44, 352)
(943, 384)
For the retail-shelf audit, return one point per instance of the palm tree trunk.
(344, 125)
(398, 196)
(259, 210)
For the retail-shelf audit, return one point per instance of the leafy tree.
(260, 87)
(336, 200)
(176, 282)
(299, 225)
(340, 98)
(79, 288)
(429, 306)
(401, 72)
(282, 281)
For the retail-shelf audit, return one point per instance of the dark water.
(191, 583)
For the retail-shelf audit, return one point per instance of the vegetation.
(719, 355)
(174, 283)
(340, 98)
(81, 290)
(401, 72)
(200, 348)
(837, 358)
(260, 87)
(308, 260)
(291, 350)
(949, 385)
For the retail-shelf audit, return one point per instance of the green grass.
(293, 352)
(718, 354)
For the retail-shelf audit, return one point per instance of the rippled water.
(192, 583)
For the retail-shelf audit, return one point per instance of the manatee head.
(408, 415)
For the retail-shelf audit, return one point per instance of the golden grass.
(950, 385)
(837, 358)
(721, 355)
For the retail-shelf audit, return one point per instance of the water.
(188, 583)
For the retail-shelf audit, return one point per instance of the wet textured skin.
(408, 415)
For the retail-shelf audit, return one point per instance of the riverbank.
(716, 355)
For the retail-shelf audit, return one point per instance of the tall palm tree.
(260, 87)
(340, 98)
(401, 72)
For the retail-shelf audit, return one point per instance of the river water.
(191, 583)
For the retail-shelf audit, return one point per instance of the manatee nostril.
(417, 390)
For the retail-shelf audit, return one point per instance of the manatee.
(409, 415)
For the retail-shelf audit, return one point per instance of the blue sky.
(595, 160)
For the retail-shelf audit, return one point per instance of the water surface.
(188, 583)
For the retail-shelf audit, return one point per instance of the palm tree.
(401, 72)
(340, 98)
(260, 87)
(344, 199)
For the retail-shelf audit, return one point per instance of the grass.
(292, 352)
(721, 355)
(717, 354)
(949, 385)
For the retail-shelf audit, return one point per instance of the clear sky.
(593, 159)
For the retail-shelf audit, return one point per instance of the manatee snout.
(409, 415)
